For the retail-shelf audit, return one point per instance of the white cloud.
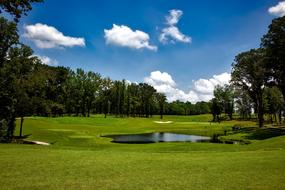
(173, 17)
(157, 77)
(171, 32)
(207, 86)
(202, 89)
(278, 10)
(45, 36)
(47, 61)
(126, 37)
(174, 33)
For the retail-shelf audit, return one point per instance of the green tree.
(274, 103)
(92, 89)
(225, 95)
(8, 88)
(249, 74)
(274, 44)
(216, 109)
(243, 103)
(8, 38)
(161, 102)
(21, 65)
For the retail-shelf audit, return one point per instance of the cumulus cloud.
(171, 32)
(161, 78)
(125, 37)
(45, 36)
(47, 60)
(202, 89)
(173, 17)
(174, 33)
(278, 10)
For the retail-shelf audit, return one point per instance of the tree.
(21, 65)
(248, 73)
(92, 89)
(216, 109)
(17, 8)
(105, 92)
(8, 83)
(147, 95)
(274, 103)
(225, 95)
(16, 73)
(161, 101)
(274, 44)
(243, 103)
(8, 37)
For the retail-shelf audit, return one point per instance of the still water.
(157, 137)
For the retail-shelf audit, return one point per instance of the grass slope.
(80, 159)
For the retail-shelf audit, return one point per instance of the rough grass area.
(80, 159)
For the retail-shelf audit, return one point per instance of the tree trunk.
(282, 88)
(260, 115)
(11, 127)
(88, 111)
(21, 126)
(280, 117)
(275, 118)
(161, 114)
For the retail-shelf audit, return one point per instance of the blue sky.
(218, 30)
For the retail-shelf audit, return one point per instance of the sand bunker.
(37, 142)
(163, 122)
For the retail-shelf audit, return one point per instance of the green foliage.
(243, 103)
(249, 74)
(8, 37)
(274, 44)
(216, 109)
(224, 99)
(3, 130)
(161, 98)
(187, 108)
(273, 103)
(17, 8)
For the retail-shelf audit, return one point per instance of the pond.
(157, 137)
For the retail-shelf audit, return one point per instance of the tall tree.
(21, 67)
(225, 95)
(274, 44)
(92, 89)
(161, 102)
(8, 37)
(216, 109)
(249, 74)
(8, 40)
(274, 103)
(244, 103)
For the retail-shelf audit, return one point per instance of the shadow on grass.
(22, 137)
(262, 133)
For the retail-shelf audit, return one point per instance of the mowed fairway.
(80, 159)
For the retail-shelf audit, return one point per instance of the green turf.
(80, 159)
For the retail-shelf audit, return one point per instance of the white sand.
(163, 122)
(41, 143)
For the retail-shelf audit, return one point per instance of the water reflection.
(157, 137)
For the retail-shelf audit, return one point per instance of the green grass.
(80, 159)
